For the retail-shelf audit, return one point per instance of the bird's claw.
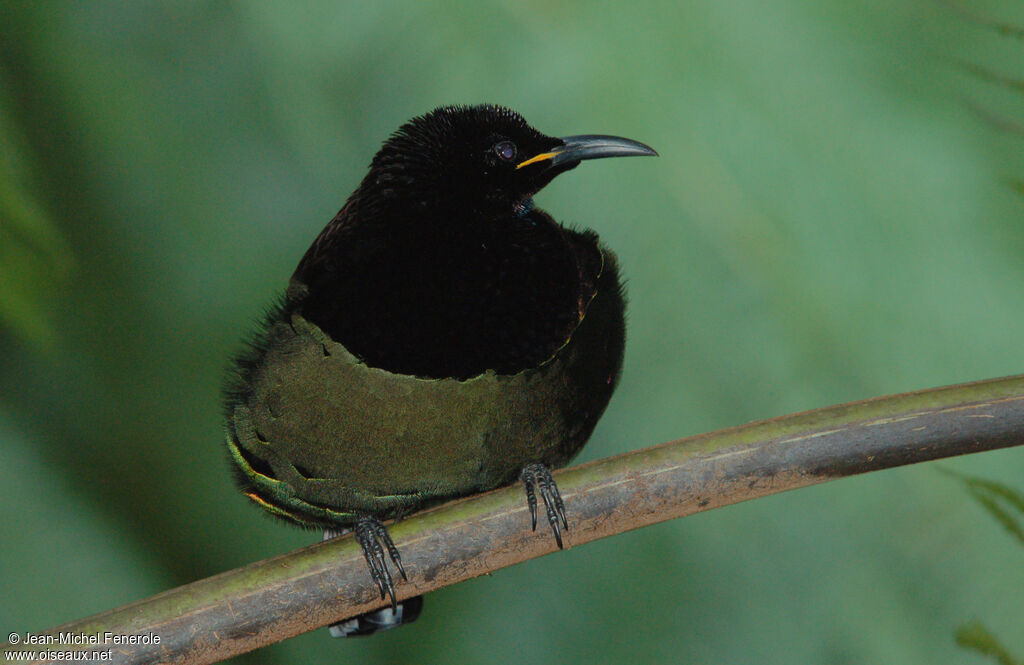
(374, 538)
(537, 478)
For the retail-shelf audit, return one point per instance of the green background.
(830, 220)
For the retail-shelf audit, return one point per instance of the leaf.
(999, 500)
(1013, 83)
(976, 637)
(995, 120)
(34, 256)
(1001, 27)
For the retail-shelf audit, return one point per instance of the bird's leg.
(537, 478)
(373, 537)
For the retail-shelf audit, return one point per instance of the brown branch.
(271, 600)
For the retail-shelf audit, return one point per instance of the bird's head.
(481, 159)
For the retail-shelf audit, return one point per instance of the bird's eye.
(506, 150)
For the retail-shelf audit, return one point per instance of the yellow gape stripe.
(536, 158)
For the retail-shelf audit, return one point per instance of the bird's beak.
(589, 146)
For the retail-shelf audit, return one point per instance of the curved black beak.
(575, 149)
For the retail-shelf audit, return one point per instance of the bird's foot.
(374, 538)
(537, 479)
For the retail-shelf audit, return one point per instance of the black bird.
(441, 337)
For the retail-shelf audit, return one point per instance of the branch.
(268, 601)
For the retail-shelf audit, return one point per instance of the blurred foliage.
(1014, 84)
(34, 258)
(828, 221)
(1001, 502)
(976, 637)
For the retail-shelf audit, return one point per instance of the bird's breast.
(501, 295)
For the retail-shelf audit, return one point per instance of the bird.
(441, 337)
